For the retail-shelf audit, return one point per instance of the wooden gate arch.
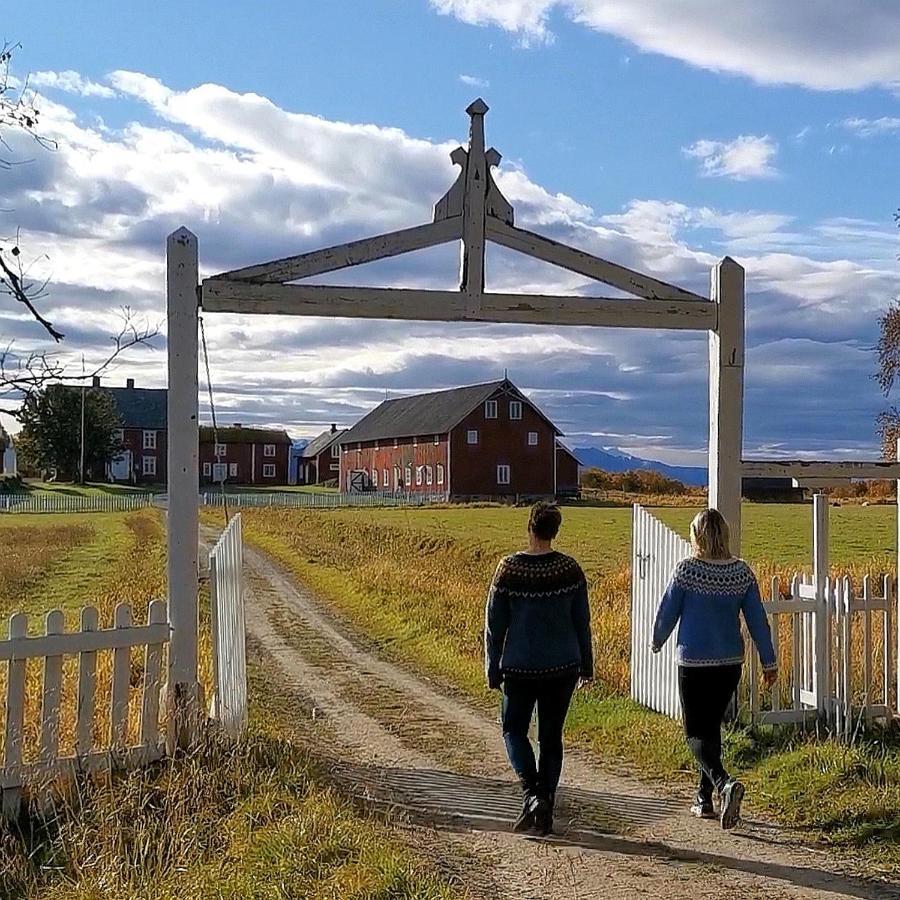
(472, 212)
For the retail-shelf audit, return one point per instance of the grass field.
(255, 821)
(415, 580)
(64, 489)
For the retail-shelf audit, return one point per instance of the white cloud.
(256, 182)
(819, 45)
(474, 81)
(747, 156)
(873, 127)
(72, 83)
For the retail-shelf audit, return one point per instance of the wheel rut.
(430, 760)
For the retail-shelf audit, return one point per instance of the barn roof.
(240, 434)
(322, 442)
(434, 413)
(140, 407)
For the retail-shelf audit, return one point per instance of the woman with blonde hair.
(706, 597)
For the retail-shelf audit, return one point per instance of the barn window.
(437, 440)
(221, 450)
(407, 477)
(374, 477)
(490, 409)
(233, 470)
(429, 475)
(515, 409)
(440, 474)
(269, 470)
(336, 450)
(472, 436)
(419, 475)
(207, 469)
(149, 465)
(532, 438)
(268, 449)
(386, 478)
(503, 474)
(149, 440)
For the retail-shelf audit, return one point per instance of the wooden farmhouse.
(486, 440)
(142, 412)
(320, 460)
(236, 454)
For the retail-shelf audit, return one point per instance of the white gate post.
(183, 488)
(822, 644)
(726, 395)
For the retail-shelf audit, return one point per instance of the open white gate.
(655, 551)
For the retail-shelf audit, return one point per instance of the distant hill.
(612, 460)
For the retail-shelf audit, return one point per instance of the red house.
(142, 412)
(568, 469)
(244, 455)
(487, 440)
(321, 458)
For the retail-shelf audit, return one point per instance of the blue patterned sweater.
(537, 620)
(706, 598)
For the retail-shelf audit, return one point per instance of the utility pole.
(81, 466)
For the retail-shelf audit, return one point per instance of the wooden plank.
(888, 632)
(79, 642)
(471, 281)
(802, 469)
(55, 624)
(15, 696)
(354, 253)
(215, 700)
(787, 717)
(867, 646)
(121, 680)
(451, 306)
(726, 395)
(156, 614)
(574, 260)
(87, 682)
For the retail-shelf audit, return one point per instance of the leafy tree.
(888, 349)
(51, 430)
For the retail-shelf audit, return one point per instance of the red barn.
(568, 469)
(321, 458)
(487, 440)
(244, 455)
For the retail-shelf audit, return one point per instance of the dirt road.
(404, 744)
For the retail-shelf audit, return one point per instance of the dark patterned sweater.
(537, 620)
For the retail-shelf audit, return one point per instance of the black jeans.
(552, 697)
(706, 692)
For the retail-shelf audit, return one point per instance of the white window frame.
(472, 437)
(268, 470)
(269, 450)
(374, 477)
(491, 409)
(407, 477)
(515, 410)
(504, 474)
(396, 442)
(437, 440)
(376, 446)
(207, 470)
(386, 479)
(440, 473)
(148, 465)
(219, 472)
(336, 451)
(221, 450)
(232, 470)
(419, 476)
(149, 442)
(532, 439)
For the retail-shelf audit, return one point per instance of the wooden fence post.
(726, 395)
(184, 700)
(822, 643)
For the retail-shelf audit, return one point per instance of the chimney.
(333, 429)
(95, 381)
(129, 383)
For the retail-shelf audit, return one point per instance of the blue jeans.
(552, 697)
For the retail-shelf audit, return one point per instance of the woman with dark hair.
(706, 597)
(537, 645)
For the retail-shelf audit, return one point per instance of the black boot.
(525, 822)
(543, 815)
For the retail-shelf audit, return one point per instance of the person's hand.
(770, 676)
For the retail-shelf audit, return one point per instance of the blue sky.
(662, 138)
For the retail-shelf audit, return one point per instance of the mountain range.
(612, 460)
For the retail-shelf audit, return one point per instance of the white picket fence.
(317, 500)
(65, 503)
(655, 552)
(49, 740)
(838, 652)
(229, 703)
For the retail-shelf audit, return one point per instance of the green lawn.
(57, 489)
